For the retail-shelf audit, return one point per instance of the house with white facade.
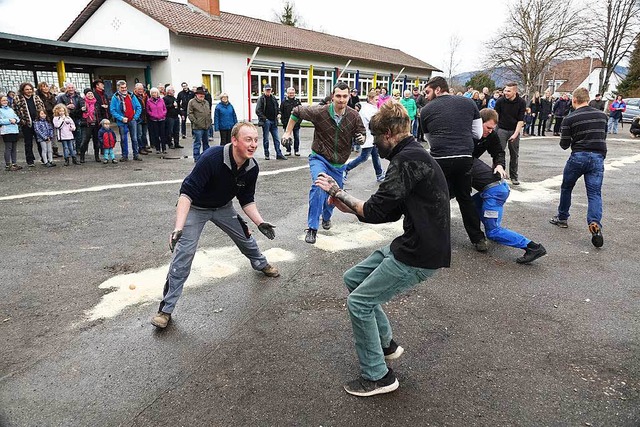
(236, 54)
(566, 76)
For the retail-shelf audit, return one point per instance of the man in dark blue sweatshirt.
(206, 194)
(511, 108)
(414, 186)
(585, 131)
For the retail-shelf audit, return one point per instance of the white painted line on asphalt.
(146, 286)
(128, 185)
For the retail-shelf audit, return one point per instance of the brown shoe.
(270, 271)
(161, 320)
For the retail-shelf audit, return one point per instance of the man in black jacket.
(267, 110)
(452, 123)
(511, 108)
(288, 104)
(493, 191)
(184, 97)
(414, 186)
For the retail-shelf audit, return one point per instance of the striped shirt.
(585, 130)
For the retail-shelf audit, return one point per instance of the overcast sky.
(412, 26)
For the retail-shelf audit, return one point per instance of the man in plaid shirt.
(336, 125)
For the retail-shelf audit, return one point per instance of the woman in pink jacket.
(157, 113)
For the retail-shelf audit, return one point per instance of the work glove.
(268, 230)
(286, 143)
(173, 240)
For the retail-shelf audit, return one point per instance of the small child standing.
(44, 134)
(528, 121)
(107, 138)
(64, 127)
(9, 131)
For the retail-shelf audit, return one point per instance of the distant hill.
(502, 75)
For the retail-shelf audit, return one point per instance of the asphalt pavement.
(487, 342)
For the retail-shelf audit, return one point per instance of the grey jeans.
(514, 150)
(231, 223)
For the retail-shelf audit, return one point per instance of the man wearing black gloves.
(221, 173)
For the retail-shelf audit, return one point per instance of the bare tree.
(452, 59)
(536, 33)
(615, 36)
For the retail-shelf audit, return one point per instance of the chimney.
(212, 7)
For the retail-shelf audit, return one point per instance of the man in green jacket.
(335, 125)
(199, 113)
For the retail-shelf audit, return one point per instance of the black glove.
(286, 143)
(175, 236)
(360, 138)
(268, 230)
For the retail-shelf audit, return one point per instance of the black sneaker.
(311, 236)
(562, 223)
(363, 387)
(532, 254)
(393, 351)
(281, 157)
(596, 235)
(481, 246)
(326, 224)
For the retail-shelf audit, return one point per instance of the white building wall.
(119, 25)
(592, 82)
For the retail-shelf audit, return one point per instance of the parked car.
(633, 110)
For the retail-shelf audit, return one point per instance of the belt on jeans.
(493, 184)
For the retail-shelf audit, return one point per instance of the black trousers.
(225, 136)
(458, 173)
(28, 134)
(557, 125)
(542, 125)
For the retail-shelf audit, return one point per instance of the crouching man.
(414, 186)
(206, 194)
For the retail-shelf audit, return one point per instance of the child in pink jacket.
(64, 126)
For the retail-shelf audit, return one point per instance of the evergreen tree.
(481, 80)
(288, 15)
(630, 86)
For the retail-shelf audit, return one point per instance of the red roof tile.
(187, 20)
(574, 71)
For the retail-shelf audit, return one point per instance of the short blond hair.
(581, 95)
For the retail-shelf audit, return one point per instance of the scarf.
(90, 114)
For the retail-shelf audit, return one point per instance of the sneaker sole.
(558, 224)
(381, 390)
(539, 255)
(395, 355)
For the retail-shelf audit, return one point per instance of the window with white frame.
(366, 84)
(212, 80)
(383, 81)
(262, 76)
(298, 79)
(322, 84)
(349, 78)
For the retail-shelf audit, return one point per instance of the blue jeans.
(364, 155)
(372, 283)
(270, 127)
(414, 127)
(296, 138)
(318, 197)
(127, 129)
(489, 204)
(141, 133)
(228, 220)
(69, 148)
(200, 136)
(591, 166)
(612, 125)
